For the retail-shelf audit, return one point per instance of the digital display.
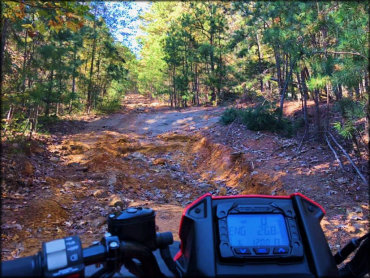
(257, 230)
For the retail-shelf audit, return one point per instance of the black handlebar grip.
(23, 267)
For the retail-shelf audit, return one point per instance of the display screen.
(257, 230)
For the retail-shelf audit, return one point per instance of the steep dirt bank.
(153, 156)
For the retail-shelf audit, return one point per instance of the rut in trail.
(146, 155)
(163, 170)
(159, 159)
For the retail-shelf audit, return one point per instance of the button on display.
(242, 251)
(261, 251)
(281, 250)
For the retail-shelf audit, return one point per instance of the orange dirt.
(152, 156)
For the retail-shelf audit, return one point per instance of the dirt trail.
(153, 156)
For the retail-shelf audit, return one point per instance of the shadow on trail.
(158, 157)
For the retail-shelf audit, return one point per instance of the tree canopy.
(61, 57)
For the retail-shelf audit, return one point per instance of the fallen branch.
(334, 152)
(231, 127)
(301, 143)
(349, 158)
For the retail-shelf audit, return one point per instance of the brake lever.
(149, 265)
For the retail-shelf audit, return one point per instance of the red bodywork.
(179, 254)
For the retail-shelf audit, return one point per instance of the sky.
(126, 21)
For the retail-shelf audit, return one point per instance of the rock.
(331, 192)
(11, 226)
(342, 180)
(98, 222)
(357, 209)
(54, 159)
(138, 156)
(203, 185)
(100, 193)
(254, 173)
(72, 184)
(174, 168)
(222, 191)
(277, 168)
(28, 168)
(112, 179)
(115, 201)
(179, 195)
(37, 150)
(160, 161)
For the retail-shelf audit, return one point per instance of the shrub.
(261, 117)
(109, 106)
(229, 116)
(350, 109)
(44, 123)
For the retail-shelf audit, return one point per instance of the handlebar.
(131, 237)
(28, 266)
(113, 255)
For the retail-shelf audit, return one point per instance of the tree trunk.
(317, 114)
(213, 89)
(73, 77)
(89, 90)
(174, 86)
(47, 107)
(283, 91)
(24, 63)
(340, 88)
(197, 82)
(30, 62)
(260, 58)
(4, 28)
(337, 92)
(278, 68)
(357, 92)
(304, 101)
(327, 106)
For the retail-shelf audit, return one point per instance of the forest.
(61, 58)
(220, 97)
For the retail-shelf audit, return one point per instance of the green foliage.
(17, 125)
(262, 117)
(108, 105)
(111, 102)
(350, 109)
(229, 115)
(346, 130)
(44, 122)
(60, 58)
(318, 82)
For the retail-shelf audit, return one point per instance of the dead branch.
(349, 158)
(301, 143)
(334, 152)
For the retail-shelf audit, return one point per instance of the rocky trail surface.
(149, 155)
